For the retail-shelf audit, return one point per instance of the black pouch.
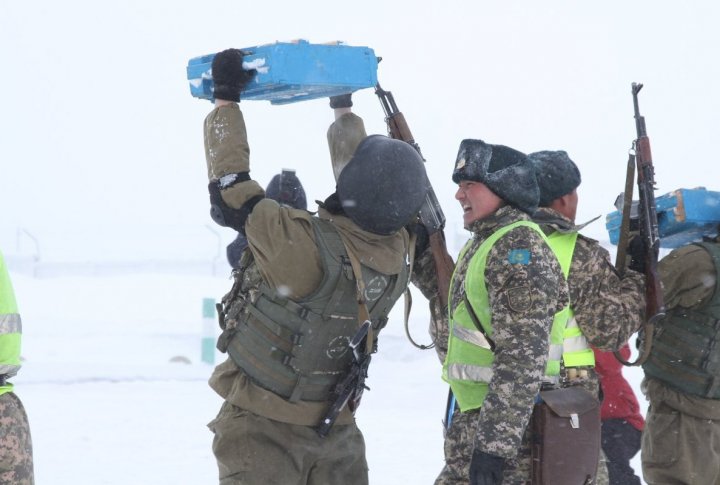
(565, 437)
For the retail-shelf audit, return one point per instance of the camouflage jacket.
(608, 308)
(524, 298)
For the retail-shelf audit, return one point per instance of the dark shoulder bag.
(565, 437)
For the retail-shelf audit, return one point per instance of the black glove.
(226, 216)
(229, 77)
(486, 469)
(636, 253)
(341, 101)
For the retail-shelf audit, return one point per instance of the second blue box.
(684, 216)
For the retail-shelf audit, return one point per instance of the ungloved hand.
(636, 254)
(341, 101)
(486, 469)
(228, 74)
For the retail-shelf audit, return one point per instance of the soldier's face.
(566, 205)
(476, 200)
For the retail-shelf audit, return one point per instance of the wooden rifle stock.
(649, 232)
(431, 215)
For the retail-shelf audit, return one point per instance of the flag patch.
(519, 256)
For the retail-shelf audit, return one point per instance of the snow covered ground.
(109, 403)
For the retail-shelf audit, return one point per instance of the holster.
(565, 437)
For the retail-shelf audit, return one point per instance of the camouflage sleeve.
(688, 277)
(526, 288)
(424, 278)
(227, 151)
(608, 309)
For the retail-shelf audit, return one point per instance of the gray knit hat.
(556, 174)
(506, 171)
(383, 185)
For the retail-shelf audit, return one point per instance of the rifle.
(350, 389)
(431, 215)
(649, 232)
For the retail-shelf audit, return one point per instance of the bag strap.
(476, 321)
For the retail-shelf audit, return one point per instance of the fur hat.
(556, 174)
(504, 170)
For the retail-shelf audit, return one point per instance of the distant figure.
(286, 189)
(16, 458)
(622, 421)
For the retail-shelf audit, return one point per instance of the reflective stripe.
(469, 372)
(10, 323)
(553, 380)
(9, 370)
(474, 337)
(575, 344)
(556, 351)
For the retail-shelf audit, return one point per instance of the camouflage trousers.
(16, 460)
(459, 444)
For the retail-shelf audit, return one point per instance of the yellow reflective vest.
(575, 350)
(468, 364)
(10, 329)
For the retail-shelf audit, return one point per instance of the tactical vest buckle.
(296, 338)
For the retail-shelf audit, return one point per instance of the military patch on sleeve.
(519, 256)
(519, 298)
(518, 292)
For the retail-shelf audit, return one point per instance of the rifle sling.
(363, 313)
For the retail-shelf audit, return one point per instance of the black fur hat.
(504, 170)
(556, 174)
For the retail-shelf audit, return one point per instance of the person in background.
(286, 189)
(16, 457)
(308, 285)
(681, 439)
(622, 421)
(607, 310)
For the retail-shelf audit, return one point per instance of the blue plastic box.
(684, 216)
(288, 72)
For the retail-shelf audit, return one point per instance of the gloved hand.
(486, 469)
(636, 254)
(341, 101)
(228, 74)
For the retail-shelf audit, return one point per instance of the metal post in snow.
(207, 344)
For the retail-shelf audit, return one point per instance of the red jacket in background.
(619, 399)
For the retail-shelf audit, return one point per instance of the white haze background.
(104, 205)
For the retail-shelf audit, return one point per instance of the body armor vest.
(299, 349)
(685, 352)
